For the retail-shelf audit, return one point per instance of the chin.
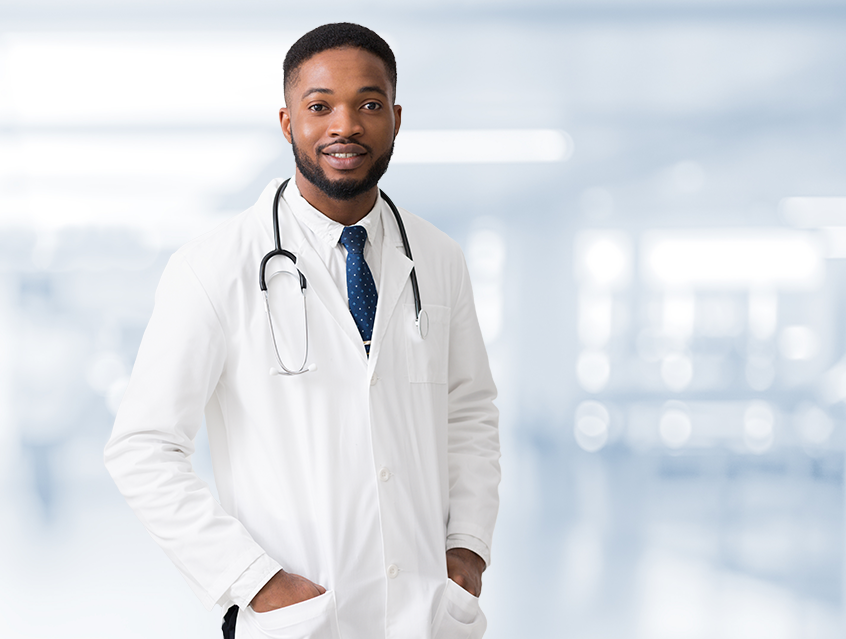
(339, 184)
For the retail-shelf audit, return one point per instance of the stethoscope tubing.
(421, 318)
(415, 289)
(278, 250)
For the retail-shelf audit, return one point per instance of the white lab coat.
(351, 475)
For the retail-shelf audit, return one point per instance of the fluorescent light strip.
(814, 212)
(733, 258)
(214, 161)
(482, 146)
(130, 78)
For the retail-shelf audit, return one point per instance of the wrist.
(467, 556)
(265, 589)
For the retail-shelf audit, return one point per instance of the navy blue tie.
(361, 289)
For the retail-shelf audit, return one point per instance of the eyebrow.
(368, 89)
(373, 89)
(316, 90)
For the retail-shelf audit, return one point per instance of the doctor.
(357, 499)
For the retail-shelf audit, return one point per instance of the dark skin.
(341, 113)
(341, 103)
(464, 567)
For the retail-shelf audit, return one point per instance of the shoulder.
(429, 237)
(438, 261)
(207, 266)
(230, 248)
(223, 263)
(229, 237)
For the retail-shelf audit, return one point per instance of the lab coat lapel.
(395, 271)
(319, 280)
(324, 286)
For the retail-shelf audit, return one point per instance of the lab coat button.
(393, 571)
(373, 380)
(384, 474)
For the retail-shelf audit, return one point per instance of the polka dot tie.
(361, 289)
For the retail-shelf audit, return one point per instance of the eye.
(317, 108)
(372, 106)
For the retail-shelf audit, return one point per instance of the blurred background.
(652, 199)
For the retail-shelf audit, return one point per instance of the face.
(341, 121)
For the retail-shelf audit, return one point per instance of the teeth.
(343, 155)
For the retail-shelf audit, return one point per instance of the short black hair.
(337, 35)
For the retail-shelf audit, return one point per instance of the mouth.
(344, 157)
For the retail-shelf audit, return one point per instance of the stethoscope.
(421, 318)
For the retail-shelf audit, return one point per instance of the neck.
(346, 212)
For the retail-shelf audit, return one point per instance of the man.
(357, 499)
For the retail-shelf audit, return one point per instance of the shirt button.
(393, 571)
(373, 380)
(384, 474)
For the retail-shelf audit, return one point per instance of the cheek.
(389, 130)
(306, 132)
(379, 134)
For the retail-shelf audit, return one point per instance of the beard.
(341, 189)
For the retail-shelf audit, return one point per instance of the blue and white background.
(652, 199)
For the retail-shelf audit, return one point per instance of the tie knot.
(353, 238)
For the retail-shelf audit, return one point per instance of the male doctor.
(358, 498)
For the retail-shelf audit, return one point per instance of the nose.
(345, 123)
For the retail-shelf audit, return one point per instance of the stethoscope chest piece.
(423, 324)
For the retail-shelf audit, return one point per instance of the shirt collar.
(328, 230)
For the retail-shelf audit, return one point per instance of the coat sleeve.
(473, 441)
(180, 360)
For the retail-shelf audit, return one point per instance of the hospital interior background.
(652, 201)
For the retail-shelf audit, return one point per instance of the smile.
(344, 155)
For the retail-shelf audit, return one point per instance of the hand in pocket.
(465, 568)
(285, 589)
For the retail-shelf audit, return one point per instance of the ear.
(397, 118)
(285, 121)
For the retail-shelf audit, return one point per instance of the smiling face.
(341, 121)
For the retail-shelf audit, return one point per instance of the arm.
(181, 358)
(473, 445)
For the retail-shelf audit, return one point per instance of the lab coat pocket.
(428, 359)
(458, 615)
(314, 618)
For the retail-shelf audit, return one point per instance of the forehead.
(336, 69)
